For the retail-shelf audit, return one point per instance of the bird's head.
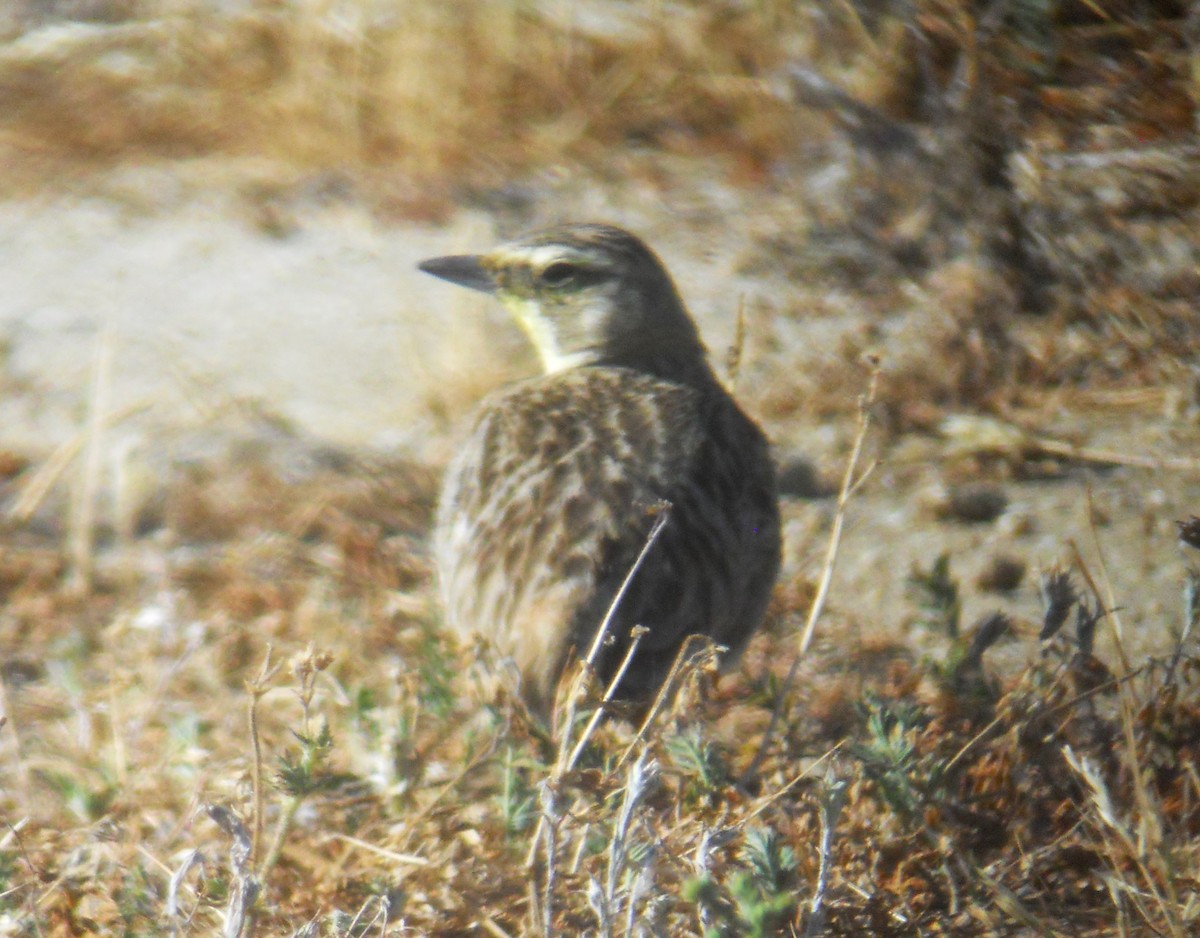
(586, 295)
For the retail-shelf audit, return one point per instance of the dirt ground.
(227, 396)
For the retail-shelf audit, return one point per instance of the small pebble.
(1003, 574)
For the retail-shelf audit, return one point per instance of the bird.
(548, 504)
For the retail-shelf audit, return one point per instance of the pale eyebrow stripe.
(538, 257)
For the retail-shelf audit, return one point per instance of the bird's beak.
(466, 270)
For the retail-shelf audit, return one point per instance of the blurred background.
(227, 394)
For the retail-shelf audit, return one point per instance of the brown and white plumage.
(549, 502)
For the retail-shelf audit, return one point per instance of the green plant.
(517, 798)
(936, 594)
(701, 761)
(756, 897)
(890, 759)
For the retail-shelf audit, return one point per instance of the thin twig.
(404, 859)
(636, 639)
(549, 802)
(82, 529)
(973, 435)
(1107, 457)
(660, 522)
(257, 688)
(282, 826)
(776, 795)
(40, 484)
(850, 484)
(832, 802)
(489, 925)
(562, 762)
(588, 666)
(1111, 609)
(665, 693)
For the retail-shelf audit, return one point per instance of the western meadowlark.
(548, 505)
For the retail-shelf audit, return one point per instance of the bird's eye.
(558, 274)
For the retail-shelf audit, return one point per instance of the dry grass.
(452, 95)
(160, 772)
(902, 797)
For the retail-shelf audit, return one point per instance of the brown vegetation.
(232, 707)
(900, 796)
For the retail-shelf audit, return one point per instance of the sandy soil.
(313, 310)
(321, 327)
